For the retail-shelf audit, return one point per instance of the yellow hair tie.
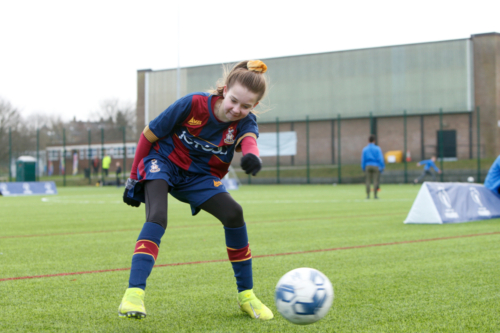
(257, 66)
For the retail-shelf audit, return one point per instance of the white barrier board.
(453, 203)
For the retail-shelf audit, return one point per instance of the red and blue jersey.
(189, 135)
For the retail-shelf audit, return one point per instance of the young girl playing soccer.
(186, 151)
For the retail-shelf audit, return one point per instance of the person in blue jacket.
(492, 181)
(428, 164)
(372, 163)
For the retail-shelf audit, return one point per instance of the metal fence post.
(441, 147)
(292, 157)
(405, 149)
(102, 156)
(89, 157)
(338, 150)
(64, 157)
(37, 164)
(478, 147)
(10, 154)
(422, 143)
(371, 123)
(333, 140)
(307, 150)
(470, 135)
(277, 150)
(124, 154)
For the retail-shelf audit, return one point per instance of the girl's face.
(237, 103)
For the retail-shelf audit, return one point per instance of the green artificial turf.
(445, 283)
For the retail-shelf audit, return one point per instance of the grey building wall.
(421, 78)
(487, 88)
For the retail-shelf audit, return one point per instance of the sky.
(63, 58)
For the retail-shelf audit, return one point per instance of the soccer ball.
(303, 295)
(470, 179)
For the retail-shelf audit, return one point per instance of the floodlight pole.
(178, 51)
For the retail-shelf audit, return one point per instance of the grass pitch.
(70, 254)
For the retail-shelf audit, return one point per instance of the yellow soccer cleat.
(250, 304)
(132, 305)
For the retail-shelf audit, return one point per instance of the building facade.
(335, 100)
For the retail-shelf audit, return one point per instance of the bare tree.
(115, 115)
(40, 130)
(114, 111)
(10, 119)
(9, 116)
(38, 120)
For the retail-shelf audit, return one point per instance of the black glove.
(129, 201)
(251, 164)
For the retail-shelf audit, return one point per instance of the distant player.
(428, 164)
(118, 172)
(186, 151)
(95, 165)
(372, 163)
(106, 163)
(492, 181)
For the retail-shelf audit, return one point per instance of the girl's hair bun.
(257, 66)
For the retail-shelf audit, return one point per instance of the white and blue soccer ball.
(303, 295)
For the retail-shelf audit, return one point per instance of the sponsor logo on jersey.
(213, 149)
(217, 183)
(229, 136)
(193, 121)
(154, 166)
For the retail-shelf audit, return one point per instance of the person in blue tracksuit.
(492, 181)
(372, 163)
(428, 164)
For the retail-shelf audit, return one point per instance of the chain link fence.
(323, 151)
(329, 151)
(70, 156)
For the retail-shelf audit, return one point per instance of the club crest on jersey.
(154, 166)
(229, 136)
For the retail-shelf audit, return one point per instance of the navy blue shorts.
(188, 187)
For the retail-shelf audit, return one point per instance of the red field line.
(259, 256)
(196, 226)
